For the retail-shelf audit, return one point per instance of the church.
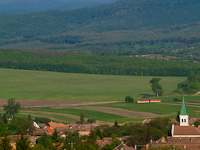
(184, 129)
(184, 136)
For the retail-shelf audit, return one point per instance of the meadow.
(44, 85)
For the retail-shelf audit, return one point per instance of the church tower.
(184, 118)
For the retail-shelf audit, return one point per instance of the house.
(123, 146)
(39, 132)
(51, 126)
(36, 125)
(103, 142)
(108, 140)
(41, 125)
(83, 133)
(186, 143)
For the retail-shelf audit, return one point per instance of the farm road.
(120, 112)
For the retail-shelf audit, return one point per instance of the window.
(184, 120)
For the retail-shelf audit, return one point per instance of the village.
(184, 135)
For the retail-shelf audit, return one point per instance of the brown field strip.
(49, 113)
(121, 112)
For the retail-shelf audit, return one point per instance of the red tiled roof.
(124, 147)
(102, 143)
(54, 125)
(48, 129)
(39, 131)
(186, 130)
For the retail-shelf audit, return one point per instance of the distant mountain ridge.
(28, 6)
(134, 25)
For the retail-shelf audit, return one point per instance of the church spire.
(183, 108)
(184, 118)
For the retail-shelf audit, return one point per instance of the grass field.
(169, 110)
(41, 85)
(162, 109)
(99, 116)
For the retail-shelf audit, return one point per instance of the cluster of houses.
(83, 129)
(184, 136)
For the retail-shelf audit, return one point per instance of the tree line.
(95, 64)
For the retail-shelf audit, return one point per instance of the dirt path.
(45, 117)
(121, 112)
(49, 113)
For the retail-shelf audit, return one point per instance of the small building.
(51, 126)
(123, 146)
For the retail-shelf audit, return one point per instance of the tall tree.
(156, 86)
(4, 118)
(46, 141)
(82, 118)
(3, 128)
(23, 125)
(177, 116)
(12, 108)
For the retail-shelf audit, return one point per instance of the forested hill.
(134, 25)
(122, 15)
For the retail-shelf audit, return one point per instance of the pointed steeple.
(183, 108)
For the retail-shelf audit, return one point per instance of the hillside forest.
(126, 27)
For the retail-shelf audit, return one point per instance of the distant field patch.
(49, 113)
(54, 117)
(43, 85)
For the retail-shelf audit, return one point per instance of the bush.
(197, 123)
(129, 99)
(177, 100)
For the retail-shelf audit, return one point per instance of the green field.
(99, 116)
(41, 85)
(157, 108)
(165, 110)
